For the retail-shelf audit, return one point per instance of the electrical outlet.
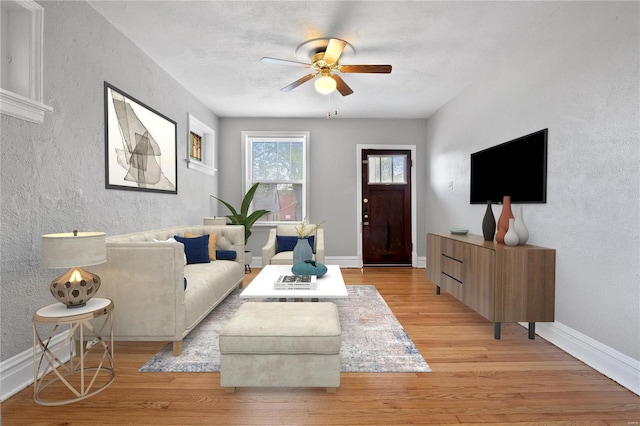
(450, 185)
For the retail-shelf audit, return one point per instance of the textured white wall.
(578, 75)
(52, 175)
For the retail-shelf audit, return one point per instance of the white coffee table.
(329, 286)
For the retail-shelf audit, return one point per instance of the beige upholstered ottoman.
(286, 344)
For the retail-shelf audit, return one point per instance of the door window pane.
(387, 169)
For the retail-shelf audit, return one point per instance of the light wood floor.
(475, 380)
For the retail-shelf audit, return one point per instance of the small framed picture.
(195, 146)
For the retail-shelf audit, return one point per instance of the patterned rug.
(373, 340)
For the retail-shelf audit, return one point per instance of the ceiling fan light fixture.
(325, 84)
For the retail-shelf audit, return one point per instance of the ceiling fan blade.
(276, 61)
(378, 69)
(341, 86)
(334, 50)
(298, 82)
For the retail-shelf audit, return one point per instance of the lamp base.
(75, 287)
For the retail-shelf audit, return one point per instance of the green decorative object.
(243, 217)
(309, 267)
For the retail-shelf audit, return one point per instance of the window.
(387, 169)
(278, 161)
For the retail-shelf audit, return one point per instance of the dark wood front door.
(386, 207)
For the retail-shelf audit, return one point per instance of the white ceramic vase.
(520, 227)
(511, 237)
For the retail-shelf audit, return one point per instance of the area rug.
(373, 340)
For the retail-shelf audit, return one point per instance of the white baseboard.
(608, 361)
(16, 373)
(342, 261)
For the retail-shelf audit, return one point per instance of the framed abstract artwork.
(140, 145)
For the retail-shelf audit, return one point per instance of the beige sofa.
(146, 281)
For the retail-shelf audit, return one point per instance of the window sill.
(22, 107)
(203, 168)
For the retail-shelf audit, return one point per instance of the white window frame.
(305, 136)
(208, 135)
(22, 29)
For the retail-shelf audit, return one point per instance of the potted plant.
(243, 217)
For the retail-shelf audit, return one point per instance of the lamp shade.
(74, 249)
(325, 84)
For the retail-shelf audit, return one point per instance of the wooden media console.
(502, 283)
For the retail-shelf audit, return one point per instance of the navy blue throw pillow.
(287, 243)
(196, 249)
(226, 255)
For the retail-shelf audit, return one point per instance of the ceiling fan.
(324, 61)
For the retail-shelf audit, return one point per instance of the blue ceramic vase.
(302, 251)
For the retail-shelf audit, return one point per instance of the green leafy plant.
(243, 217)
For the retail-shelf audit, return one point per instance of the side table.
(90, 368)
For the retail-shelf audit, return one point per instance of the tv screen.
(517, 168)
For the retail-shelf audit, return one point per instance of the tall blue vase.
(302, 251)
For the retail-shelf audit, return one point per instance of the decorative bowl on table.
(458, 231)
(309, 267)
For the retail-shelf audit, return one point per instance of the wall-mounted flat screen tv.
(517, 168)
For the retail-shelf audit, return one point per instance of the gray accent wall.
(579, 76)
(333, 170)
(53, 174)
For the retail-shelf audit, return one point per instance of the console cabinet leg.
(496, 330)
(437, 289)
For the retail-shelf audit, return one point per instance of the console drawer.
(452, 268)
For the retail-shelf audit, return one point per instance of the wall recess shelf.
(21, 52)
(208, 137)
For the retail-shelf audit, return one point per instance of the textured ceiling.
(436, 48)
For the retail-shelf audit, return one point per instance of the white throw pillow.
(171, 240)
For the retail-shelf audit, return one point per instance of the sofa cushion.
(196, 249)
(282, 328)
(212, 243)
(209, 284)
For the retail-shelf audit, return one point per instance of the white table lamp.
(74, 250)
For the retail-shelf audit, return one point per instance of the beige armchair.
(272, 256)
